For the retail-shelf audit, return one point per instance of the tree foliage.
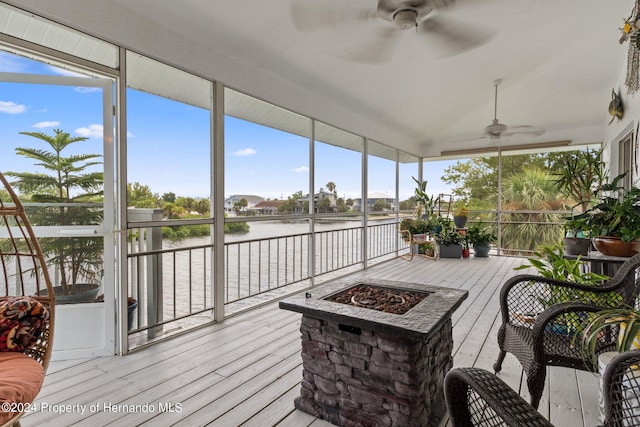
(67, 180)
(289, 205)
(475, 180)
(532, 195)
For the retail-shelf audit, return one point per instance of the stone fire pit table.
(364, 367)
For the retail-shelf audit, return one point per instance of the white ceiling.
(559, 60)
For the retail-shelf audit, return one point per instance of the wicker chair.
(476, 397)
(621, 389)
(540, 335)
(23, 273)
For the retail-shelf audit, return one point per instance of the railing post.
(153, 241)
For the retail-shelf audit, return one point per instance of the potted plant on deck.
(69, 185)
(614, 222)
(426, 203)
(551, 263)
(625, 324)
(449, 241)
(460, 216)
(481, 237)
(580, 175)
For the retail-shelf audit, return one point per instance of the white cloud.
(10, 63)
(130, 134)
(245, 152)
(93, 131)
(302, 169)
(12, 108)
(41, 125)
(84, 89)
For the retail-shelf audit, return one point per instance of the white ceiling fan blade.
(454, 36)
(311, 15)
(523, 129)
(376, 50)
(471, 138)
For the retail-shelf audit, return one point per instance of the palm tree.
(331, 186)
(531, 191)
(66, 182)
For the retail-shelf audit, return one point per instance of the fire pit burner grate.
(388, 300)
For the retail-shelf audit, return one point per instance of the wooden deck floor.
(246, 371)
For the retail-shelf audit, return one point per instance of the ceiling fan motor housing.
(406, 13)
(405, 19)
(495, 129)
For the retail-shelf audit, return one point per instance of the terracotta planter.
(613, 246)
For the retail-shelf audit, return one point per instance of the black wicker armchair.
(621, 389)
(476, 397)
(542, 318)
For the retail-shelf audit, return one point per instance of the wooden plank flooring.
(246, 370)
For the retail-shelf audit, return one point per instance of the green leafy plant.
(461, 211)
(550, 263)
(428, 203)
(448, 235)
(581, 174)
(617, 214)
(626, 321)
(479, 234)
(426, 248)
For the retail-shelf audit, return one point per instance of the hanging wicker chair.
(27, 306)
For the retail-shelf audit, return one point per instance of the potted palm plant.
(579, 176)
(68, 187)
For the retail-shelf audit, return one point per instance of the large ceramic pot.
(482, 249)
(614, 246)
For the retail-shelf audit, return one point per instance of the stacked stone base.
(356, 377)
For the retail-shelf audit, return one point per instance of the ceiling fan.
(496, 129)
(447, 35)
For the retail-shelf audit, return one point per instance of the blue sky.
(168, 143)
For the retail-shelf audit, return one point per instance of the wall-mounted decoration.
(616, 108)
(631, 31)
